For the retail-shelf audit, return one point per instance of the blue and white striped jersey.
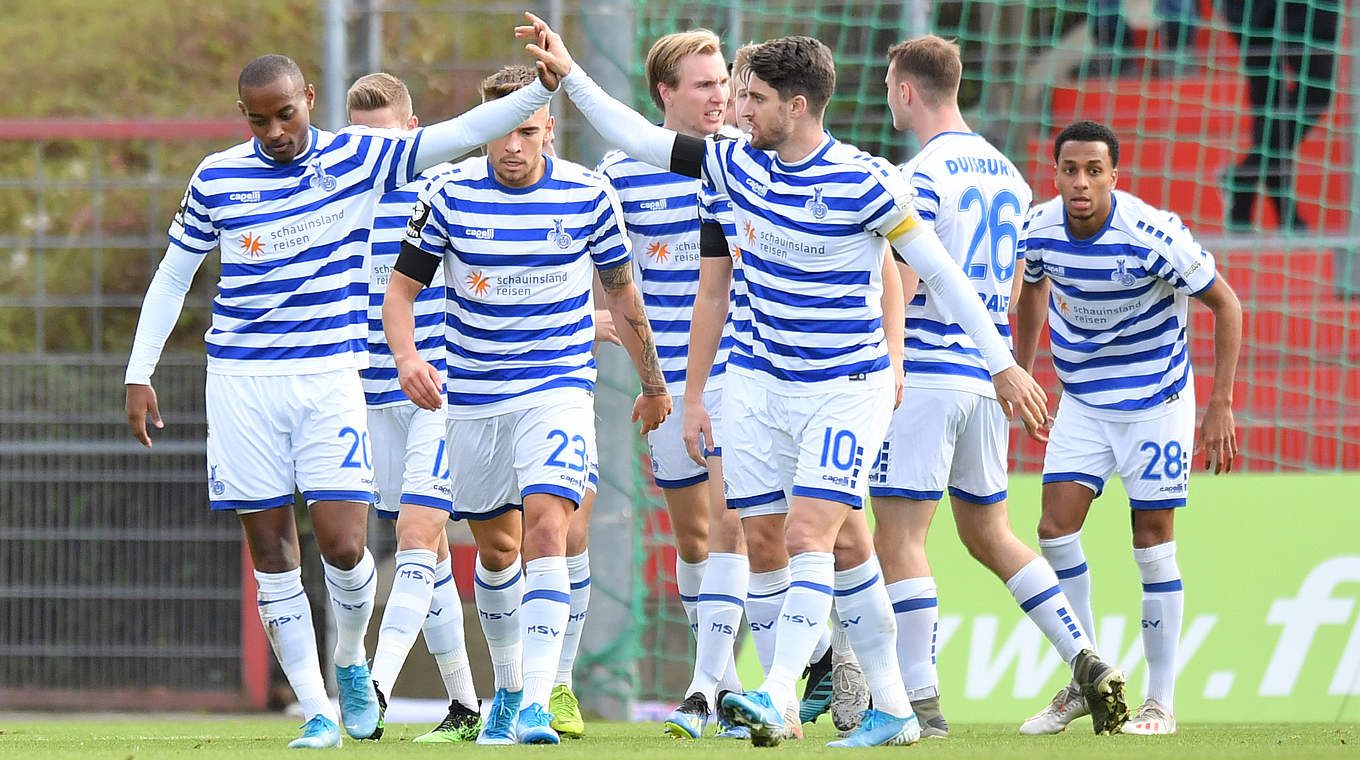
(292, 298)
(1119, 306)
(381, 387)
(518, 266)
(717, 209)
(812, 256)
(977, 201)
(659, 211)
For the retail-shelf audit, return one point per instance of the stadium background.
(118, 588)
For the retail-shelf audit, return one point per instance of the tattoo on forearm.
(616, 277)
(653, 380)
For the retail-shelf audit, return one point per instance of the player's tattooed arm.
(630, 320)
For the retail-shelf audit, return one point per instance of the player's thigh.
(751, 471)
(250, 466)
(552, 445)
(1079, 449)
(837, 435)
(387, 433)
(482, 467)
(977, 474)
(1154, 457)
(332, 451)
(918, 448)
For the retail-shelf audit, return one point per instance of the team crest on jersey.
(319, 178)
(216, 486)
(478, 283)
(559, 235)
(658, 251)
(1121, 273)
(815, 205)
(252, 246)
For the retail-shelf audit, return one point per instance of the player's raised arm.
(488, 121)
(616, 122)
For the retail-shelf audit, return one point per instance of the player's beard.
(770, 138)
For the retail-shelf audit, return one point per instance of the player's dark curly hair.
(1088, 131)
(796, 66)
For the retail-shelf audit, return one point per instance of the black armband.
(417, 264)
(712, 241)
(687, 156)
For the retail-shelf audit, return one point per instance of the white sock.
(287, 619)
(352, 594)
(689, 577)
(917, 609)
(807, 605)
(546, 606)
(764, 600)
(841, 649)
(867, 617)
(407, 606)
(823, 644)
(1163, 610)
(443, 629)
(1039, 595)
(498, 594)
(719, 610)
(578, 574)
(1064, 555)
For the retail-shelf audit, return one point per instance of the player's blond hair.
(372, 92)
(933, 64)
(506, 81)
(663, 60)
(742, 58)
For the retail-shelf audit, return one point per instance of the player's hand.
(1218, 438)
(141, 401)
(421, 383)
(651, 411)
(604, 328)
(1021, 395)
(554, 60)
(697, 431)
(899, 382)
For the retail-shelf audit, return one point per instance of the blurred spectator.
(1288, 58)
(1114, 38)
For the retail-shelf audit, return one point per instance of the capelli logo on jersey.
(321, 179)
(559, 235)
(478, 283)
(481, 234)
(756, 187)
(656, 205)
(815, 206)
(251, 197)
(658, 251)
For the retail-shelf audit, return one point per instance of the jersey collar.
(1109, 220)
(298, 159)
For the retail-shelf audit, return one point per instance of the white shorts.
(777, 445)
(268, 435)
(1151, 456)
(942, 438)
(410, 461)
(496, 461)
(671, 465)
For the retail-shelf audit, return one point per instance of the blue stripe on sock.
(732, 600)
(1040, 598)
(581, 584)
(1164, 586)
(437, 584)
(919, 603)
(857, 589)
(490, 587)
(548, 594)
(767, 596)
(813, 586)
(687, 598)
(371, 576)
(275, 601)
(1070, 572)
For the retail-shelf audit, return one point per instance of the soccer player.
(1117, 276)
(409, 452)
(819, 390)
(285, 405)
(517, 234)
(688, 81)
(975, 199)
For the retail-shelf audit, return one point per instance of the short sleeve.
(193, 228)
(428, 228)
(1181, 260)
(392, 151)
(1033, 254)
(889, 209)
(609, 245)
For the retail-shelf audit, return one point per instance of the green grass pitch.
(205, 737)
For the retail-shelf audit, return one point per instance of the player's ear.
(1114, 177)
(309, 93)
(242, 108)
(412, 122)
(798, 105)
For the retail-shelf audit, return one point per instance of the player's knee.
(498, 552)
(342, 552)
(1152, 528)
(1052, 525)
(806, 536)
